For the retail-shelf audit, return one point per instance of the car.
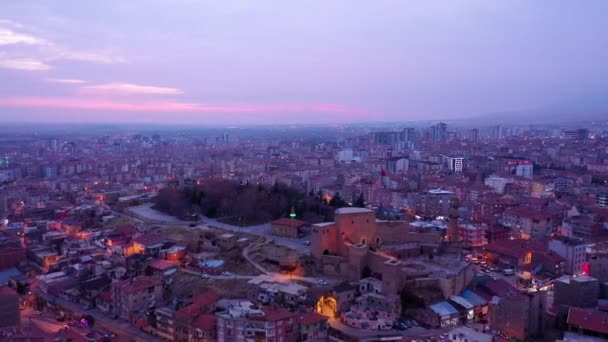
(323, 282)
(414, 323)
(400, 326)
(306, 243)
(110, 334)
(37, 312)
(192, 225)
(493, 269)
(87, 307)
(205, 276)
(508, 272)
(226, 274)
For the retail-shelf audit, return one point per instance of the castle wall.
(323, 238)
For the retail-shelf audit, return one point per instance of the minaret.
(292, 215)
(453, 234)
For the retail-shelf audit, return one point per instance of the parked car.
(205, 276)
(226, 274)
(306, 243)
(323, 282)
(508, 272)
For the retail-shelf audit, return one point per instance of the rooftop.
(439, 192)
(151, 239)
(311, 317)
(161, 264)
(591, 320)
(444, 309)
(579, 279)
(284, 221)
(136, 284)
(205, 322)
(352, 210)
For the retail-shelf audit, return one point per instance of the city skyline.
(277, 63)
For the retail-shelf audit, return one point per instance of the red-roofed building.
(204, 328)
(514, 252)
(589, 322)
(271, 324)
(195, 316)
(149, 244)
(126, 230)
(312, 327)
(163, 268)
(11, 257)
(288, 227)
(135, 294)
(530, 223)
(9, 308)
(104, 302)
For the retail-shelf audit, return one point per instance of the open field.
(186, 285)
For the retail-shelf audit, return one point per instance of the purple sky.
(295, 62)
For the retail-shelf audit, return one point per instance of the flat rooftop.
(352, 210)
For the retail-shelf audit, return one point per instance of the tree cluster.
(221, 198)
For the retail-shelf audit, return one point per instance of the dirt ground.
(236, 263)
(186, 285)
(119, 221)
(272, 256)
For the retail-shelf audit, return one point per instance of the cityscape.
(184, 171)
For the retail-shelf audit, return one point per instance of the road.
(155, 217)
(233, 276)
(119, 327)
(365, 334)
(275, 275)
(262, 230)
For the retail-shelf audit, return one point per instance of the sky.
(314, 61)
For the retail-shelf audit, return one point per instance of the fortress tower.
(453, 235)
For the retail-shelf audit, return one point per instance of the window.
(377, 240)
(199, 333)
(363, 241)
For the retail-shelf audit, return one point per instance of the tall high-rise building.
(525, 170)
(455, 164)
(474, 135)
(409, 134)
(578, 134)
(53, 145)
(497, 132)
(439, 132)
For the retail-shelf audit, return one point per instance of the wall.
(323, 237)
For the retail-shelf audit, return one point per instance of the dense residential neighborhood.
(337, 234)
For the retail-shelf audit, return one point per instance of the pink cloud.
(129, 89)
(171, 106)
